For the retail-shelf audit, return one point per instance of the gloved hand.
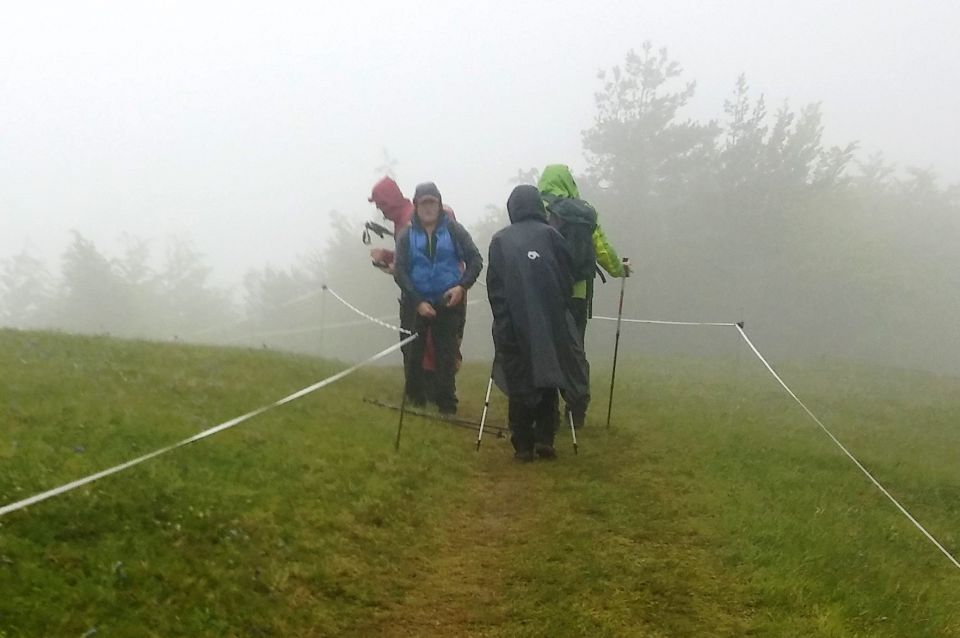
(382, 259)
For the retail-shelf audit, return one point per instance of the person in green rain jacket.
(578, 222)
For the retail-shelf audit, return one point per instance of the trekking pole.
(573, 433)
(403, 406)
(486, 406)
(403, 401)
(616, 345)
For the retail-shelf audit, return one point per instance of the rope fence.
(739, 326)
(366, 317)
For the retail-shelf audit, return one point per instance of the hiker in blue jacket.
(436, 263)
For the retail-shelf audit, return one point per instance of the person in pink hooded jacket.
(390, 201)
(396, 208)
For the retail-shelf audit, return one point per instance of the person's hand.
(627, 268)
(382, 259)
(454, 296)
(384, 268)
(426, 310)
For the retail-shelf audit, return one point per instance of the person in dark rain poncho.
(539, 351)
(436, 263)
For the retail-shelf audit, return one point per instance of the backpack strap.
(603, 278)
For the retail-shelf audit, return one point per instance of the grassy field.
(713, 507)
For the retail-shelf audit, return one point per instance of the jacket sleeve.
(504, 341)
(469, 253)
(606, 255)
(401, 268)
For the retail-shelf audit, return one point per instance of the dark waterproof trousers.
(534, 419)
(446, 328)
(408, 321)
(580, 309)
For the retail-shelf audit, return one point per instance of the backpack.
(576, 220)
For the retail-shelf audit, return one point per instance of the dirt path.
(459, 591)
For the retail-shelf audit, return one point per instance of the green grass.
(290, 524)
(714, 507)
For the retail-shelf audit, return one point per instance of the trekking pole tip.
(741, 324)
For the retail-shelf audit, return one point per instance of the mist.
(175, 171)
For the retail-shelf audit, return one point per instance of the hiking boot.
(525, 456)
(546, 452)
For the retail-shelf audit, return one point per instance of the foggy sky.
(242, 125)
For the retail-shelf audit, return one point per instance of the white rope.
(346, 324)
(810, 413)
(363, 314)
(223, 327)
(13, 507)
(375, 320)
(299, 331)
(670, 323)
(866, 472)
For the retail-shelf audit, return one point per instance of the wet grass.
(291, 524)
(713, 507)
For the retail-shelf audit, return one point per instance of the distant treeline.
(124, 295)
(822, 251)
(751, 217)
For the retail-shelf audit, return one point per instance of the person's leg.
(446, 329)
(460, 328)
(413, 366)
(408, 320)
(521, 418)
(580, 309)
(547, 420)
(430, 386)
(429, 367)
